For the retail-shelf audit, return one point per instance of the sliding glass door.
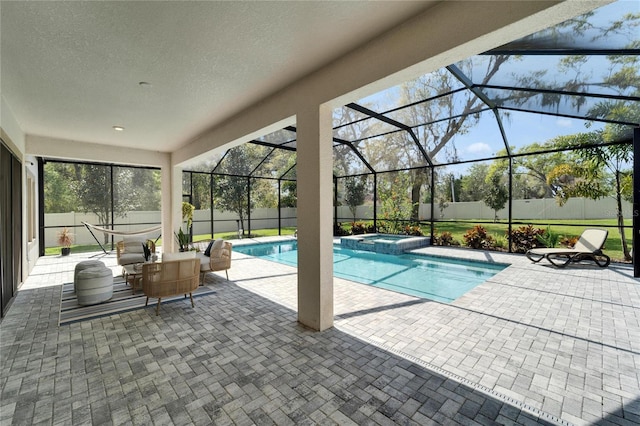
(10, 226)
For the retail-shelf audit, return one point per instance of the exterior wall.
(15, 138)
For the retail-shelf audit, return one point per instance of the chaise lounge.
(588, 247)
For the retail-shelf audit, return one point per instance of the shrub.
(548, 238)
(568, 241)
(500, 241)
(478, 238)
(414, 230)
(339, 231)
(358, 228)
(387, 227)
(444, 239)
(525, 238)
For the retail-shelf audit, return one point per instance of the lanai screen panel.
(423, 88)
(284, 137)
(455, 104)
(478, 137)
(599, 29)
(208, 164)
(242, 160)
(362, 129)
(201, 190)
(276, 164)
(136, 196)
(346, 162)
(396, 151)
(556, 103)
(577, 73)
(529, 132)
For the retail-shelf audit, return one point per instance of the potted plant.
(65, 239)
(183, 240)
(146, 251)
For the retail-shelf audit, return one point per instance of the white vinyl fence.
(223, 222)
(575, 208)
(538, 209)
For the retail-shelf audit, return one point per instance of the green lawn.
(613, 246)
(54, 251)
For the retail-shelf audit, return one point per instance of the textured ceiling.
(71, 70)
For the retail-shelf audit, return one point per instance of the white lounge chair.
(588, 247)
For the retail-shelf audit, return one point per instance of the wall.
(547, 208)
(224, 222)
(14, 137)
(539, 209)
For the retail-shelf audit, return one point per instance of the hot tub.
(384, 243)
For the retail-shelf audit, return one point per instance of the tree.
(596, 171)
(472, 186)
(231, 195)
(496, 195)
(133, 187)
(355, 192)
(58, 195)
(290, 193)
(92, 186)
(396, 203)
(231, 188)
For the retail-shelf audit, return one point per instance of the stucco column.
(315, 217)
(171, 184)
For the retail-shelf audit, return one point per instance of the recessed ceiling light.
(118, 128)
(145, 84)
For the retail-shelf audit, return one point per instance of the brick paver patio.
(532, 345)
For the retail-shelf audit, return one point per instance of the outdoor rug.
(122, 301)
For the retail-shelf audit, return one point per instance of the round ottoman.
(94, 285)
(85, 264)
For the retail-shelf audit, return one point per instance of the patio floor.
(532, 345)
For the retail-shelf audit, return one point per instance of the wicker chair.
(219, 259)
(171, 278)
(130, 250)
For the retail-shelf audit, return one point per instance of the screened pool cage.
(544, 121)
(538, 131)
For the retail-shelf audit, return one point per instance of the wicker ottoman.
(85, 264)
(94, 285)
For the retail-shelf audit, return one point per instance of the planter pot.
(66, 251)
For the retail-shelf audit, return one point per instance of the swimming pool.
(429, 277)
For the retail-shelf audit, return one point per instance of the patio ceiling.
(71, 70)
(570, 71)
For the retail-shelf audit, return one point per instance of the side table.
(132, 275)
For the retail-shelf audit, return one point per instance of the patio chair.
(130, 250)
(164, 279)
(588, 247)
(215, 257)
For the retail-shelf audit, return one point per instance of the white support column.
(315, 217)
(171, 184)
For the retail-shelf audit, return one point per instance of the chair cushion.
(166, 257)
(129, 258)
(217, 245)
(207, 252)
(133, 245)
(204, 262)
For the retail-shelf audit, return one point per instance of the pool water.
(429, 277)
